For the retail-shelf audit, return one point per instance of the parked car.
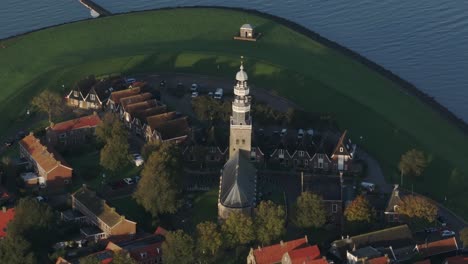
(194, 94)
(180, 86)
(128, 181)
(370, 187)
(194, 87)
(9, 142)
(441, 220)
(284, 132)
(218, 93)
(130, 80)
(430, 229)
(210, 94)
(137, 159)
(41, 199)
(20, 135)
(162, 83)
(300, 133)
(136, 178)
(447, 233)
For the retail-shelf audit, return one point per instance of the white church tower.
(241, 122)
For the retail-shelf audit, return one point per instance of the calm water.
(423, 41)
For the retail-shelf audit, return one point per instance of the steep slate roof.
(343, 147)
(83, 86)
(397, 237)
(5, 219)
(274, 253)
(438, 247)
(116, 96)
(395, 199)
(98, 206)
(328, 187)
(156, 120)
(82, 122)
(173, 128)
(47, 158)
(238, 182)
(124, 102)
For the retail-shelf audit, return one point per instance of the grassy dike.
(318, 78)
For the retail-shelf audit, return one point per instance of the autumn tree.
(50, 103)
(238, 229)
(158, 189)
(270, 222)
(114, 154)
(360, 210)
(415, 206)
(309, 211)
(464, 236)
(16, 250)
(178, 248)
(412, 162)
(208, 237)
(91, 259)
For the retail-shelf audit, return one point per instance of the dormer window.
(395, 208)
(92, 97)
(341, 149)
(301, 153)
(143, 254)
(75, 93)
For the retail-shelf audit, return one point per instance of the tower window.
(243, 141)
(237, 142)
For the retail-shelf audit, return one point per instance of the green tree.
(238, 229)
(210, 110)
(157, 191)
(464, 237)
(309, 211)
(16, 250)
(91, 259)
(208, 237)
(122, 257)
(114, 154)
(418, 207)
(49, 102)
(360, 210)
(104, 129)
(270, 220)
(412, 162)
(178, 248)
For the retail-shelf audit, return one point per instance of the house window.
(212, 149)
(306, 162)
(92, 97)
(301, 153)
(281, 153)
(334, 208)
(75, 93)
(63, 135)
(341, 149)
(320, 163)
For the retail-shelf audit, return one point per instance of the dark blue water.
(423, 41)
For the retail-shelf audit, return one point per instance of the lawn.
(316, 77)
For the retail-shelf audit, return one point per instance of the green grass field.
(198, 40)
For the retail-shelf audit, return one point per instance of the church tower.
(241, 122)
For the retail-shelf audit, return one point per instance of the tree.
(157, 191)
(48, 102)
(413, 162)
(210, 110)
(464, 237)
(114, 154)
(91, 259)
(208, 237)
(178, 248)
(269, 221)
(419, 207)
(238, 229)
(310, 211)
(16, 250)
(121, 257)
(104, 129)
(360, 210)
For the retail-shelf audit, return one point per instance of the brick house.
(443, 247)
(391, 212)
(72, 132)
(51, 168)
(289, 252)
(102, 215)
(90, 93)
(113, 104)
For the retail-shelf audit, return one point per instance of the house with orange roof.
(73, 132)
(51, 168)
(6, 216)
(439, 247)
(113, 104)
(290, 252)
(456, 260)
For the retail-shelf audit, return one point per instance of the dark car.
(9, 142)
(441, 220)
(20, 135)
(431, 229)
(162, 83)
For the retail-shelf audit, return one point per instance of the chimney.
(281, 243)
(306, 239)
(4, 209)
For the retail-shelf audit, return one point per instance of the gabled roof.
(394, 200)
(141, 106)
(438, 247)
(82, 122)
(274, 253)
(116, 96)
(142, 115)
(83, 86)
(173, 128)
(343, 147)
(124, 102)
(304, 255)
(5, 218)
(457, 260)
(46, 157)
(397, 237)
(98, 206)
(238, 182)
(156, 120)
(246, 26)
(379, 260)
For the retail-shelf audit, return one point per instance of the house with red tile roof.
(291, 252)
(6, 216)
(51, 168)
(456, 260)
(444, 246)
(73, 132)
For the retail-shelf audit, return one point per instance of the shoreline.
(406, 86)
